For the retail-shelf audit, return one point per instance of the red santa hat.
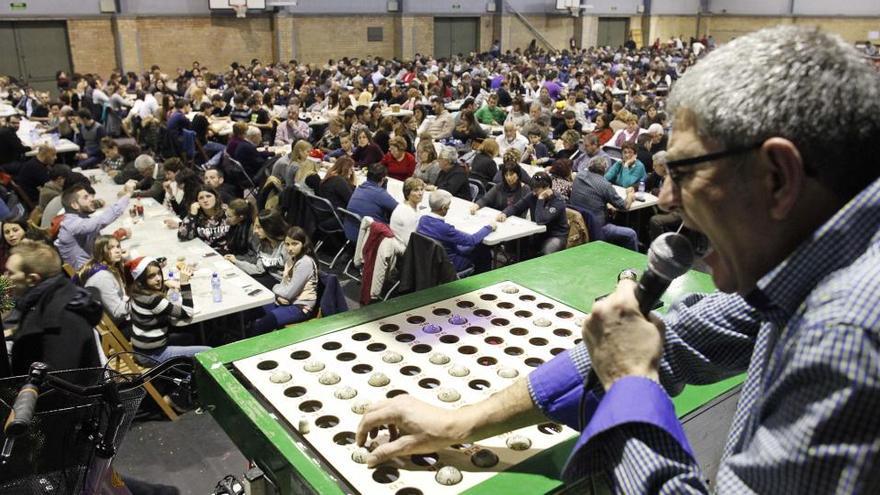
(138, 265)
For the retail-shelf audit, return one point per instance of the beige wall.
(725, 28)
(665, 27)
(215, 42)
(172, 42)
(556, 29)
(91, 45)
(320, 38)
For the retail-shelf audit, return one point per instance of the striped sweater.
(152, 314)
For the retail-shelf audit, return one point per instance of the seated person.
(628, 171)
(405, 218)
(370, 199)
(569, 123)
(306, 176)
(58, 318)
(297, 293)
(155, 309)
(206, 220)
(570, 149)
(490, 113)
(88, 138)
(546, 208)
(452, 177)
(536, 152)
(427, 167)
(35, 172)
(14, 232)
(267, 266)
(293, 128)
(511, 138)
(53, 186)
(78, 231)
(509, 190)
(400, 163)
(113, 160)
(367, 152)
(464, 250)
(592, 192)
(129, 153)
(560, 172)
(338, 183)
(330, 140)
(484, 168)
(240, 241)
(151, 180)
(468, 130)
(216, 179)
(246, 152)
(239, 131)
(105, 272)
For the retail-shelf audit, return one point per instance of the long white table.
(648, 200)
(24, 134)
(460, 217)
(150, 237)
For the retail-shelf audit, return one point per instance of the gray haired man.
(791, 207)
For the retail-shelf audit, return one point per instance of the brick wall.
(92, 47)
(424, 40)
(172, 42)
(318, 38)
(667, 26)
(556, 29)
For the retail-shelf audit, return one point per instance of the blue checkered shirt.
(808, 419)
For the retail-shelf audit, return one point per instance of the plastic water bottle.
(640, 195)
(173, 293)
(215, 288)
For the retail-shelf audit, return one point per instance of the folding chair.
(328, 224)
(120, 355)
(351, 217)
(478, 190)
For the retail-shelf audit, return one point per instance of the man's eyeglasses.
(673, 166)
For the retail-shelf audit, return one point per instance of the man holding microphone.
(791, 208)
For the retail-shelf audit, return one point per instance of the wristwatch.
(629, 273)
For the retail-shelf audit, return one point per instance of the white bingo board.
(463, 349)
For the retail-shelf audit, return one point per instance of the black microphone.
(669, 257)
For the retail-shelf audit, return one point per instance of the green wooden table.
(574, 277)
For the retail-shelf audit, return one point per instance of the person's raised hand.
(546, 194)
(620, 340)
(186, 273)
(415, 426)
(194, 208)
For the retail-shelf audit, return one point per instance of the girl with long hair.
(106, 273)
(153, 312)
(267, 265)
(296, 295)
(206, 220)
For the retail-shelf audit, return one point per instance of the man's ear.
(33, 279)
(786, 175)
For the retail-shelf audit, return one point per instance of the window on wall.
(374, 33)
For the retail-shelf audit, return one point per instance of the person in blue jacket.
(463, 249)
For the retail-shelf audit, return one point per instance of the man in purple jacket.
(463, 249)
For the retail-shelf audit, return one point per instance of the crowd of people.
(527, 133)
(441, 126)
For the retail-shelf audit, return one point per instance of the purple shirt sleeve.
(633, 399)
